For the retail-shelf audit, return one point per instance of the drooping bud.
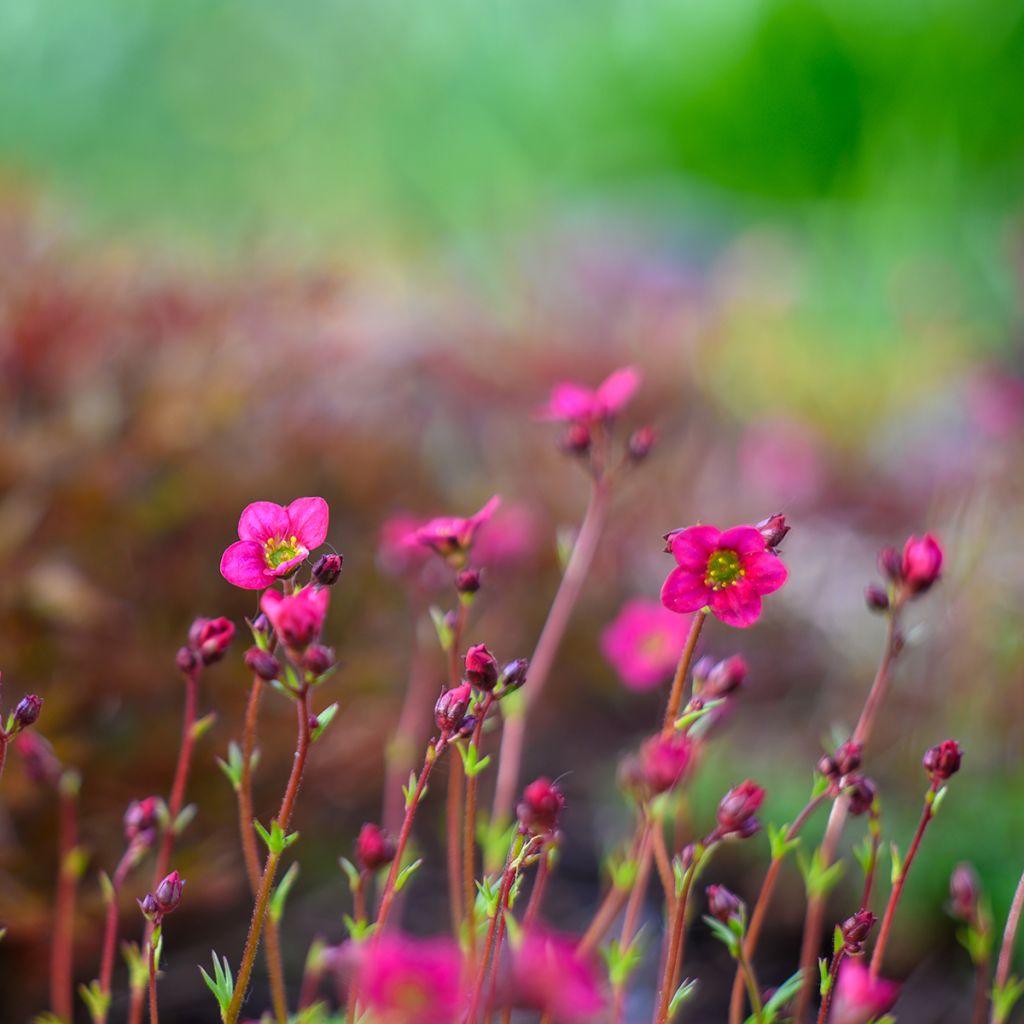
(375, 848)
(210, 638)
(27, 711)
(943, 761)
(855, 931)
(327, 569)
(142, 819)
(467, 581)
(539, 810)
(738, 809)
(317, 659)
(723, 904)
(577, 439)
(641, 442)
(921, 563)
(168, 892)
(876, 598)
(861, 793)
(774, 530)
(262, 663)
(451, 706)
(481, 668)
(964, 892)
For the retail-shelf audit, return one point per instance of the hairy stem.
(1005, 961)
(675, 697)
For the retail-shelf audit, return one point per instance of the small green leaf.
(724, 935)
(355, 883)
(323, 720)
(684, 992)
(406, 873)
(281, 890)
(445, 637)
(96, 1000)
(106, 888)
(201, 727)
(780, 845)
(897, 864)
(222, 984)
(188, 812)
(565, 542)
(826, 977)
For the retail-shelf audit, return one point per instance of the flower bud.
(467, 581)
(168, 892)
(724, 678)
(848, 757)
(186, 660)
(943, 761)
(736, 812)
(965, 892)
(861, 793)
(142, 819)
(317, 659)
(481, 668)
(641, 442)
(876, 598)
(41, 763)
(260, 625)
(774, 530)
(827, 766)
(855, 931)
(262, 663)
(723, 904)
(451, 706)
(577, 440)
(513, 675)
(149, 907)
(327, 569)
(540, 807)
(921, 563)
(889, 564)
(375, 848)
(662, 762)
(210, 638)
(27, 712)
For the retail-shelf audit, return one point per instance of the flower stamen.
(723, 570)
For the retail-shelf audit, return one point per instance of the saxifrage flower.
(727, 572)
(860, 999)
(297, 618)
(575, 403)
(644, 642)
(273, 541)
(452, 536)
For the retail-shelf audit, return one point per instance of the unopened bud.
(738, 808)
(641, 442)
(848, 757)
(723, 904)
(723, 678)
(774, 530)
(262, 663)
(943, 761)
(577, 440)
(855, 931)
(168, 892)
(375, 848)
(861, 792)
(539, 810)
(481, 668)
(186, 660)
(327, 569)
(876, 598)
(889, 564)
(964, 891)
(317, 659)
(921, 563)
(513, 675)
(27, 711)
(149, 907)
(210, 638)
(142, 819)
(451, 707)
(467, 581)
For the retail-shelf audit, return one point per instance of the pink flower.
(273, 541)
(921, 563)
(728, 572)
(574, 403)
(451, 536)
(399, 550)
(644, 642)
(297, 618)
(410, 981)
(858, 999)
(549, 976)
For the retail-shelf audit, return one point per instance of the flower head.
(375, 847)
(644, 642)
(297, 618)
(575, 403)
(860, 999)
(729, 572)
(451, 707)
(724, 904)
(481, 667)
(549, 976)
(660, 764)
(274, 541)
(410, 981)
(921, 563)
(736, 812)
(210, 638)
(451, 536)
(943, 761)
(541, 807)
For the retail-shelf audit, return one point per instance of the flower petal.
(744, 540)
(693, 546)
(262, 521)
(486, 512)
(570, 401)
(242, 564)
(765, 572)
(685, 591)
(618, 388)
(308, 519)
(738, 605)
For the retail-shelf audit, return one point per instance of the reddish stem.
(1005, 961)
(537, 893)
(153, 1017)
(4, 740)
(469, 840)
(675, 698)
(616, 897)
(631, 919)
(676, 947)
(62, 953)
(833, 975)
(124, 865)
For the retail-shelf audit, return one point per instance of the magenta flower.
(549, 976)
(452, 536)
(728, 572)
(644, 642)
(858, 999)
(273, 541)
(410, 981)
(297, 618)
(574, 403)
(921, 562)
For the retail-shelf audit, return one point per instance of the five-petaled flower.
(860, 998)
(452, 536)
(274, 541)
(574, 403)
(644, 642)
(728, 572)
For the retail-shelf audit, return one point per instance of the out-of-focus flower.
(921, 563)
(297, 618)
(510, 537)
(738, 808)
(662, 762)
(274, 541)
(481, 667)
(375, 847)
(713, 680)
(943, 761)
(540, 808)
(723, 903)
(402, 980)
(41, 763)
(141, 820)
(550, 977)
(644, 642)
(574, 403)
(964, 892)
(318, 659)
(729, 572)
(781, 459)
(641, 441)
(27, 712)
(210, 638)
(861, 793)
(399, 551)
(452, 536)
(858, 999)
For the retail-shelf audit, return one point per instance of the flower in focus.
(401, 980)
(921, 563)
(297, 618)
(550, 977)
(575, 403)
(729, 572)
(644, 642)
(273, 541)
(481, 667)
(858, 999)
(451, 536)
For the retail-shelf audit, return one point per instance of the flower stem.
(753, 989)
(62, 953)
(124, 865)
(833, 975)
(675, 698)
(153, 1015)
(629, 922)
(469, 841)
(537, 893)
(514, 734)
(4, 740)
(676, 945)
(284, 815)
(1005, 961)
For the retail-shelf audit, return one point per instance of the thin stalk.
(514, 733)
(676, 946)
(631, 919)
(1005, 961)
(537, 893)
(833, 975)
(263, 894)
(128, 860)
(453, 822)
(153, 1015)
(4, 740)
(980, 1009)
(753, 989)
(62, 952)
(675, 697)
(469, 841)
(869, 875)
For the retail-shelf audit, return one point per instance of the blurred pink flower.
(297, 618)
(402, 980)
(644, 642)
(575, 403)
(508, 538)
(728, 572)
(452, 536)
(995, 400)
(781, 461)
(549, 976)
(921, 562)
(274, 541)
(858, 999)
(399, 550)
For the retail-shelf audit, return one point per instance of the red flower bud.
(889, 564)
(965, 892)
(327, 569)
(262, 664)
(723, 904)
(317, 659)
(855, 931)
(467, 581)
(861, 792)
(736, 812)
(481, 667)
(774, 530)
(149, 907)
(168, 892)
(848, 757)
(186, 660)
(210, 638)
(921, 563)
(721, 679)
(451, 706)
(641, 442)
(943, 761)
(27, 712)
(375, 848)
(662, 762)
(513, 675)
(142, 819)
(876, 598)
(539, 810)
(577, 440)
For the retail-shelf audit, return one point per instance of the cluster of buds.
(841, 771)
(908, 574)
(737, 812)
(540, 808)
(375, 848)
(208, 642)
(456, 709)
(855, 931)
(658, 766)
(156, 905)
(941, 762)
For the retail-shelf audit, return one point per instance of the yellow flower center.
(277, 550)
(723, 569)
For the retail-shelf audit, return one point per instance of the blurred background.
(261, 250)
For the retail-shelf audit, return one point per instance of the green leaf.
(232, 767)
(276, 840)
(819, 880)
(445, 637)
(826, 977)
(1005, 997)
(96, 1000)
(410, 790)
(837, 940)
(106, 888)
(201, 727)
(897, 864)
(622, 961)
(355, 882)
(222, 984)
(323, 720)
(689, 717)
(138, 968)
(281, 890)
(724, 935)
(188, 812)
(565, 542)
(623, 873)
(406, 873)
(782, 995)
(780, 845)
(685, 990)
(358, 930)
